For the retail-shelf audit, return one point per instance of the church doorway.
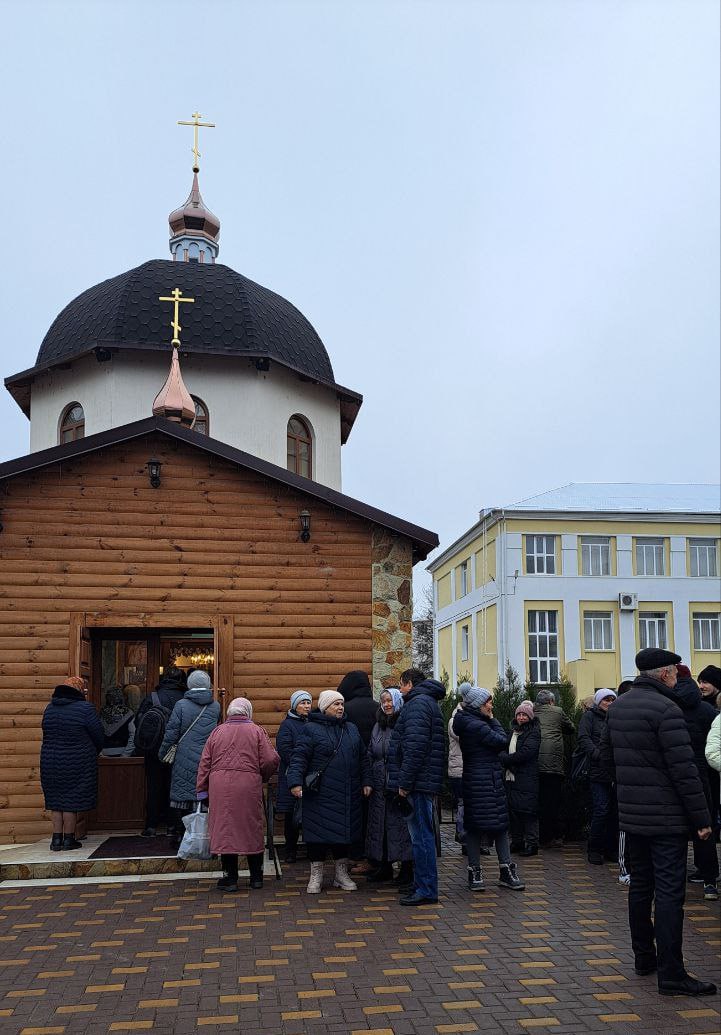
(134, 660)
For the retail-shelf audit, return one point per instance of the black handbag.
(312, 780)
(580, 766)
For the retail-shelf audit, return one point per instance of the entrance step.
(37, 862)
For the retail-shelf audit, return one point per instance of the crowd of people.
(361, 778)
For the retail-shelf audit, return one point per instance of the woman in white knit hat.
(329, 770)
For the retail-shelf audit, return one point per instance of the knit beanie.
(602, 694)
(462, 688)
(526, 707)
(475, 696)
(329, 697)
(297, 697)
(711, 674)
(199, 680)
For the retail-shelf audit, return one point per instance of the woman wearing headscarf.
(485, 811)
(117, 719)
(329, 770)
(387, 837)
(289, 731)
(238, 758)
(191, 722)
(72, 737)
(521, 779)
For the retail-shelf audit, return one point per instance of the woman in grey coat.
(191, 722)
(387, 837)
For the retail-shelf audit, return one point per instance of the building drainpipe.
(504, 600)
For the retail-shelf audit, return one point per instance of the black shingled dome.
(231, 315)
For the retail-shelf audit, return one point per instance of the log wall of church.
(91, 536)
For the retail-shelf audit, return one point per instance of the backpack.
(150, 728)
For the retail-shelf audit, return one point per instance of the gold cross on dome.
(176, 298)
(195, 124)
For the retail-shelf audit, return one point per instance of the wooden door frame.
(222, 626)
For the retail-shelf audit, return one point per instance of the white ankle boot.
(316, 879)
(342, 879)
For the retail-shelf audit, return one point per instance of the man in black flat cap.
(660, 802)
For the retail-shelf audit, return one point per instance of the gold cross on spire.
(195, 124)
(176, 298)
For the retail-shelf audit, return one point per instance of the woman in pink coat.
(237, 758)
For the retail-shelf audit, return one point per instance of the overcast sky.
(501, 217)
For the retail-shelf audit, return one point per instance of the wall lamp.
(154, 466)
(304, 518)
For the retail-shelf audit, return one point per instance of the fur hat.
(199, 680)
(329, 697)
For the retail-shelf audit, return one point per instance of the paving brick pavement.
(179, 956)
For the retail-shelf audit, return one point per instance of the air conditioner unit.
(628, 601)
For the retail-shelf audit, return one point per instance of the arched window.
(300, 447)
(202, 417)
(72, 423)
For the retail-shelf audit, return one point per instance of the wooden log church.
(206, 529)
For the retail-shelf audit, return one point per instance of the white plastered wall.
(248, 409)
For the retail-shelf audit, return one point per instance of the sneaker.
(710, 892)
(475, 879)
(695, 878)
(508, 878)
(625, 878)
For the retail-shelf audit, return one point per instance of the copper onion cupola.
(194, 229)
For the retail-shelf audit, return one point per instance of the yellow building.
(577, 580)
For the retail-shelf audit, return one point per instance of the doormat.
(135, 847)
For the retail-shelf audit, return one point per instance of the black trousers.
(255, 865)
(317, 852)
(157, 791)
(550, 790)
(658, 880)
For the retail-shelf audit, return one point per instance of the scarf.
(511, 750)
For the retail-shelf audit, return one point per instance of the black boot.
(508, 878)
(229, 881)
(529, 850)
(404, 881)
(56, 843)
(255, 865)
(382, 874)
(70, 843)
(475, 879)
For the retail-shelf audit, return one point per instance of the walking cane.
(270, 844)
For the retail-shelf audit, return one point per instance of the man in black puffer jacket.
(660, 800)
(417, 756)
(698, 716)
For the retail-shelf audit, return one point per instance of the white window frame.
(465, 642)
(706, 629)
(543, 635)
(652, 629)
(463, 568)
(598, 630)
(595, 553)
(650, 555)
(540, 554)
(703, 553)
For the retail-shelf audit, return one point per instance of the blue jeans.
(423, 839)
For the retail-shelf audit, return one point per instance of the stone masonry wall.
(392, 578)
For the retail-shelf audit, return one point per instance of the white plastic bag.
(196, 839)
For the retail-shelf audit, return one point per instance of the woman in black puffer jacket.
(332, 747)
(603, 835)
(482, 738)
(521, 779)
